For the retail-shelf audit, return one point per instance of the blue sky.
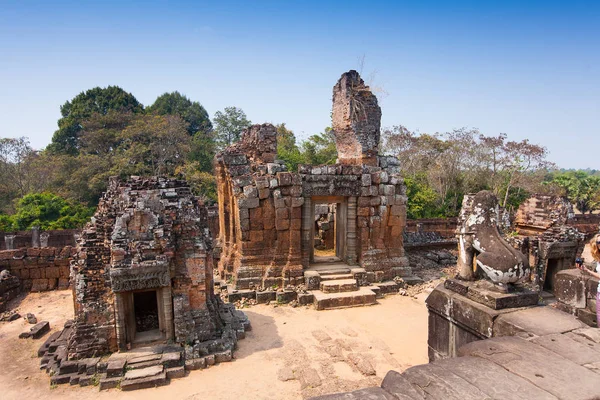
(530, 69)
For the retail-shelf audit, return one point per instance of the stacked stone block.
(39, 269)
(260, 212)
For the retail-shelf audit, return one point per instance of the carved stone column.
(35, 236)
(120, 324)
(307, 223)
(10, 241)
(351, 258)
(44, 239)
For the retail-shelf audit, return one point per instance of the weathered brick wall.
(265, 221)
(27, 239)
(588, 224)
(445, 227)
(39, 269)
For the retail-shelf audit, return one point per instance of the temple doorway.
(328, 233)
(145, 308)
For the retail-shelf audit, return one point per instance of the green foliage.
(48, 211)
(202, 151)
(464, 161)
(192, 112)
(319, 149)
(83, 106)
(287, 150)
(228, 125)
(422, 199)
(580, 188)
(203, 184)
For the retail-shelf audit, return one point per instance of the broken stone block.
(30, 318)
(37, 331)
(175, 372)
(286, 296)
(115, 368)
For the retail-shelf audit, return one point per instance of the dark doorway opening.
(145, 306)
(325, 232)
(551, 271)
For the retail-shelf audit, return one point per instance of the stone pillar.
(167, 305)
(351, 258)
(307, 223)
(10, 242)
(44, 239)
(35, 236)
(465, 257)
(120, 324)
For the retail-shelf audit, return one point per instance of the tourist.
(595, 249)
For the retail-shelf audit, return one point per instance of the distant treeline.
(106, 131)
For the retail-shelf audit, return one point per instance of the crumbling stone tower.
(356, 121)
(267, 214)
(144, 272)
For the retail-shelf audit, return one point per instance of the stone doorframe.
(125, 315)
(345, 228)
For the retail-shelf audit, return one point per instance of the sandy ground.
(291, 353)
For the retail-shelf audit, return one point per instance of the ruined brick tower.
(356, 121)
(143, 273)
(267, 214)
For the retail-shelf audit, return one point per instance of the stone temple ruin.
(143, 274)
(267, 214)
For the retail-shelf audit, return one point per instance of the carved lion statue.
(479, 240)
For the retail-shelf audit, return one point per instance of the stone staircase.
(337, 285)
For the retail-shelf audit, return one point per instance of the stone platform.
(328, 285)
(484, 292)
(553, 366)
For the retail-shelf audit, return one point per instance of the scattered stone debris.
(9, 316)
(30, 318)
(9, 288)
(36, 331)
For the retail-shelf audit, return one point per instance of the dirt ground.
(291, 353)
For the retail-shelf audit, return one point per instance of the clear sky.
(530, 69)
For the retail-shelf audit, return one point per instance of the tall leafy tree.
(83, 106)
(229, 124)
(48, 211)
(287, 149)
(319, 149)
(192, 112)
(581, 189)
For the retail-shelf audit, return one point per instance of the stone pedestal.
(460, 313)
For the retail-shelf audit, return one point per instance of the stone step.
(333, 271)
(336, 277)
(326, 301)
(143, 383)
(339, 285)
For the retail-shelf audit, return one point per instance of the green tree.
(203, 184)
(581, 189)
(228, 125)
(319, 149)
(83, 106)
(422, 199)
(49, 211)
(192, 112)
(287, 150)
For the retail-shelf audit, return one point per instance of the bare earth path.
(291, 353)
